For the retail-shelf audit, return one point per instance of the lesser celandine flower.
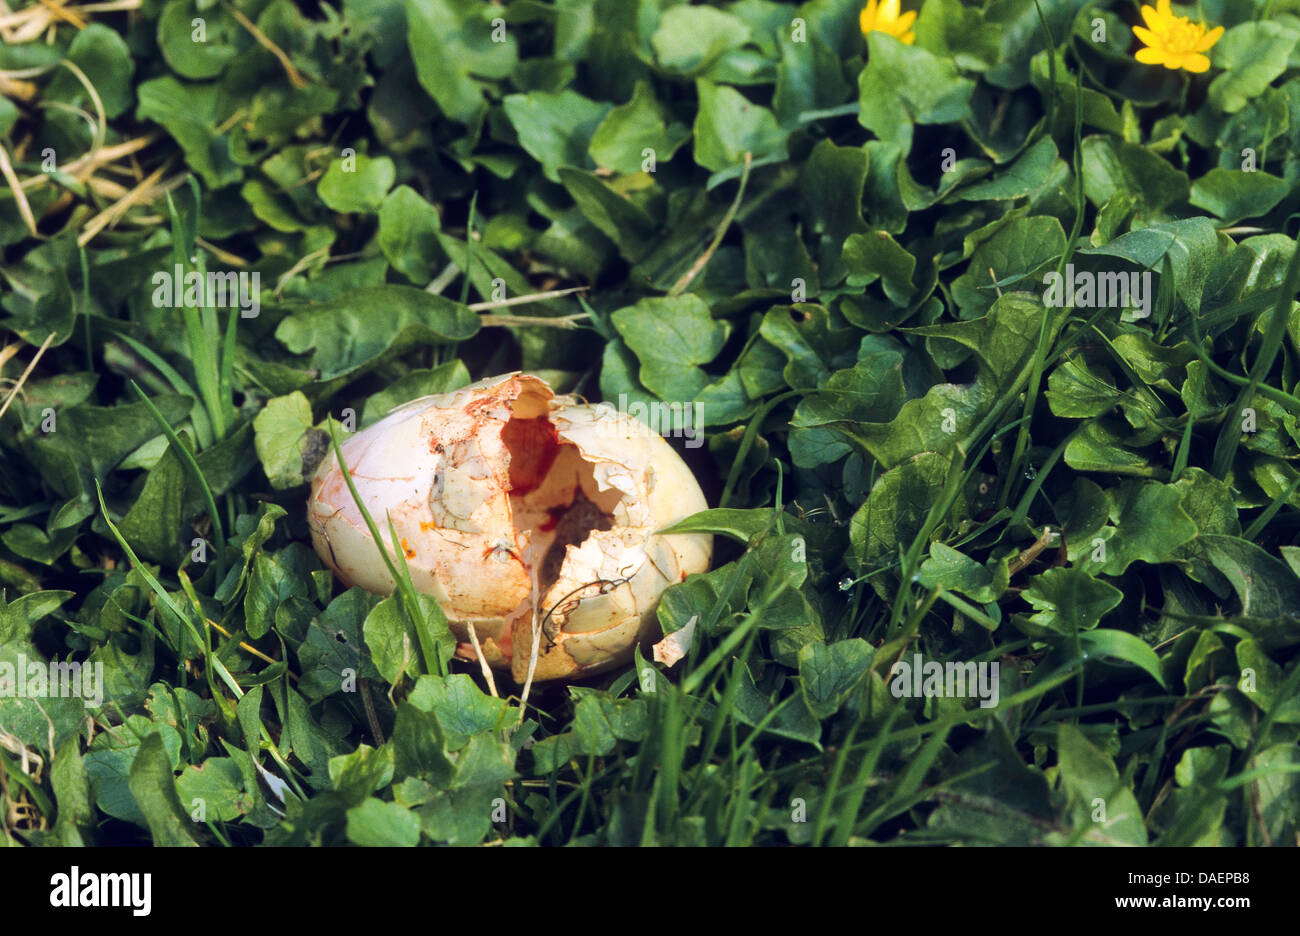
(884, 17)
(1174, 41)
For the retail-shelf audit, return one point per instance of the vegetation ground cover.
(988, 309)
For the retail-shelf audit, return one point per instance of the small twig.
(247, 648)
(443, 279)
(295, 78)
(537, 643)
(487, 320)
(996, 287)
(524, 300)
(64, 14)
(302, 264)
(23, 379)
(144, 193)
(112, 6)
(224, 256)
(20, 197)
(371, 716)
(85, 166)
(1030, 554)
(482, 661)
(689, 275)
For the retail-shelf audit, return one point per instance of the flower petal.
(906, 19)
(1163, 8)
(889, 10)
(1146, 36)
(1195, 62)
(1150, 56)
(1153, 18)
(1209, 39)
(867, 19)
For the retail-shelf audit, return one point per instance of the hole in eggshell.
(533, 445)
(554, 500)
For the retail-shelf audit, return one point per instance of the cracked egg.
(518, 508)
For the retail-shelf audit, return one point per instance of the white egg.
(514, 505)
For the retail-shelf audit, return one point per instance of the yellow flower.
(885, 18)
(1174, 41)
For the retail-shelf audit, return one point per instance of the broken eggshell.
(505, 496)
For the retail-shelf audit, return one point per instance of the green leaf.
(1265, 586)
(154, 790)
(877, 255)
(452, 46)
(828, 673)
(896, 508)
(1234, 195)
(728, 125)
(951, 30)
(356, 330)
(287, 445)
(831, 182)
(214, 789)
(153, 524)
(333, 653)
(671, 337)
(408, 234)
(955, 571)
(814, 346)
(1251, 56)
(71, 793)
(904, 85)
(464, 813)
(1278, 790)
(1112, 167)
(1017, 254)
(1262, 681)
(1070, 600)
(614, 215)
(377, 824)
(1026, 175)
(691, 39)
(462, 709)
(191, 113)
(1020, 31)
(1150, 524)
(1190, 244)
(201, 50)
(809, 77)
(358, 186)
(1102, 808)
(104, 57)
(627, 131)
(419, 747)
(600, 721)
(89, 441)
(555, 129)
(411, 386)
(365, 771)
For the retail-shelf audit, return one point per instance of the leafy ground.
(837, 244)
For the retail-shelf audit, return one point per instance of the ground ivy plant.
(987, 310)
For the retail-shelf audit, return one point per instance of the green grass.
(840, 254)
